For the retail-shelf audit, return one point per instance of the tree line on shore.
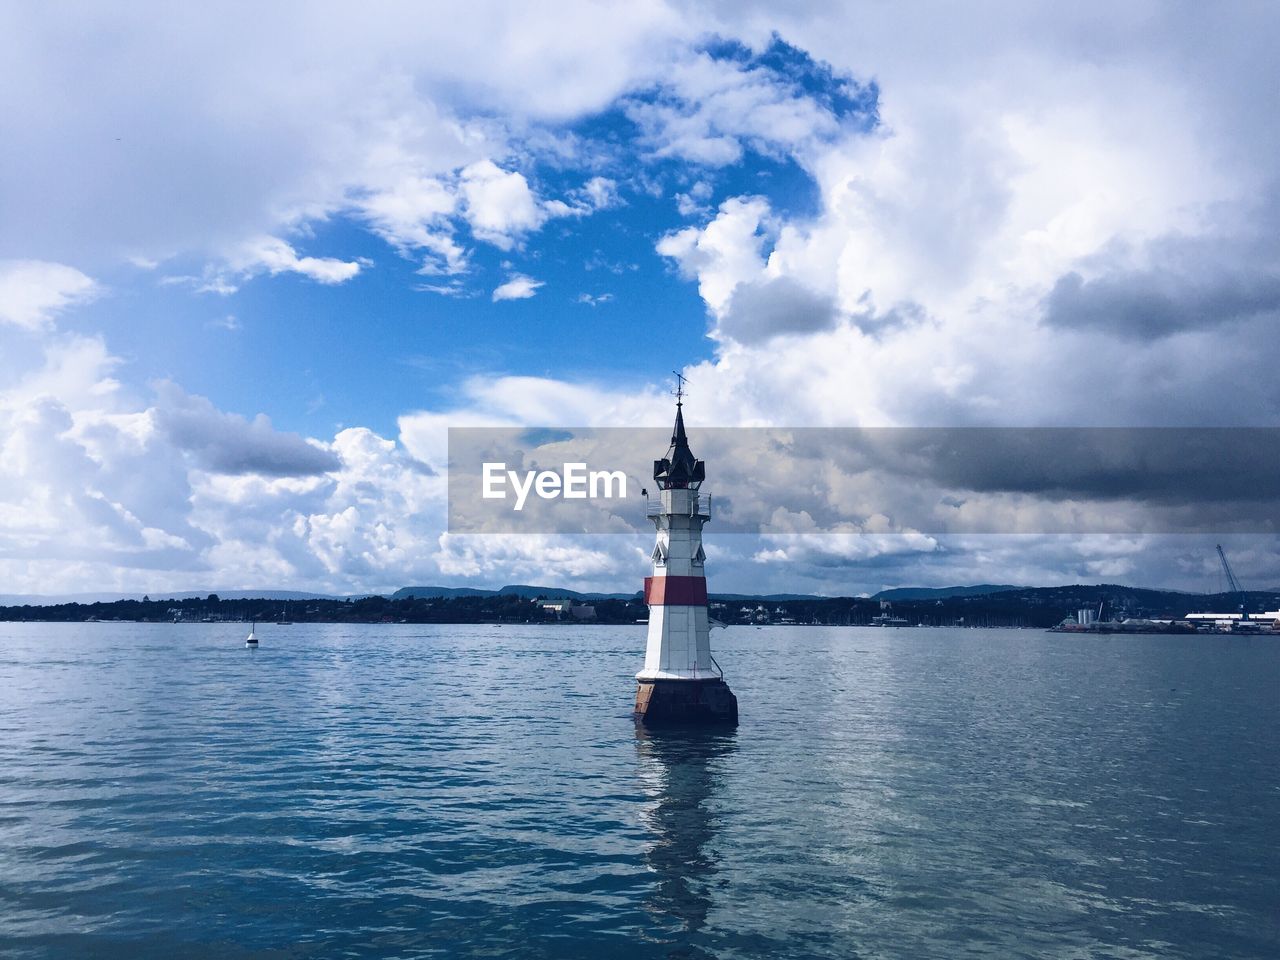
(1029, 607)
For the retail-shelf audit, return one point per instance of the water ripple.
(396, 791)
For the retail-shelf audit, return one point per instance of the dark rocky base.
(685, 703)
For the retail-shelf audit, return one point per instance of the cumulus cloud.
(499, 204)
(99, 486)
(32, 292)
(775, 307)
(717, 101)
(414, 213)
(405, 211)
(81, 484)
(418, 214)
(274, 256)
(1149, 305)
(517, 287)
(299, 125)
(601, 193)
(983, 244)
(947, 236)
(528, 558)
(693, 202)
(264, 255)
(724, 253)
(1170, 285)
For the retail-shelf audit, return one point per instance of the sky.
(254, 263)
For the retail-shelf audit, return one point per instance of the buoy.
(681, 683)
(252, 640)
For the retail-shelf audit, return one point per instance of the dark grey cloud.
(1185, 283)
(773, 308)
(1157, 303)
(228, 443)
(1004, 480)
(1165, 464)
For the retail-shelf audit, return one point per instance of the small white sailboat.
(252, 639)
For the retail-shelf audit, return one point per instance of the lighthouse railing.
(699, 506)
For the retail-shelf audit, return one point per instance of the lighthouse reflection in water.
(682, 769)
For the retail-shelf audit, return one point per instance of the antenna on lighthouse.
(681, 380)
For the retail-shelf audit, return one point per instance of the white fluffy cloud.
(207, 128)
(107, 488)
(724, 253)
(99, 486)
(421, 215)
(517, 287)
(103, 487)
(263, 255)
(32, 292)
(601, 192)
(715, 107)
(414, 215)
(1003, 248)
(499, 204)
(273, 255)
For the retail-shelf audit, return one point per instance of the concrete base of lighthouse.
(671, 703)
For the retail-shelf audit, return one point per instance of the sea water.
(481, 791)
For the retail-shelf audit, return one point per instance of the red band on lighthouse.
(675, 591)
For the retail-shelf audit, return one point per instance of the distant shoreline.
(1034, 607)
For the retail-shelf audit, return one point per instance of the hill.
(527, 591)
(53, 599)
(941, 593)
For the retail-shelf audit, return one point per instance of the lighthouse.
(681, 683)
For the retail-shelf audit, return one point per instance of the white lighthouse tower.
(681, 682)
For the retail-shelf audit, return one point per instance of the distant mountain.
(1068, 597)
(52, 599)
(527, 591)
(767, 598)
(532, 592)
(941, 593)
(426, 593)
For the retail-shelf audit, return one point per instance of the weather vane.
(680, 382)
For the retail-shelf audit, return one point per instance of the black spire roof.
(679, 469)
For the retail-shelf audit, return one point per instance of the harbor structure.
(681, 683)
